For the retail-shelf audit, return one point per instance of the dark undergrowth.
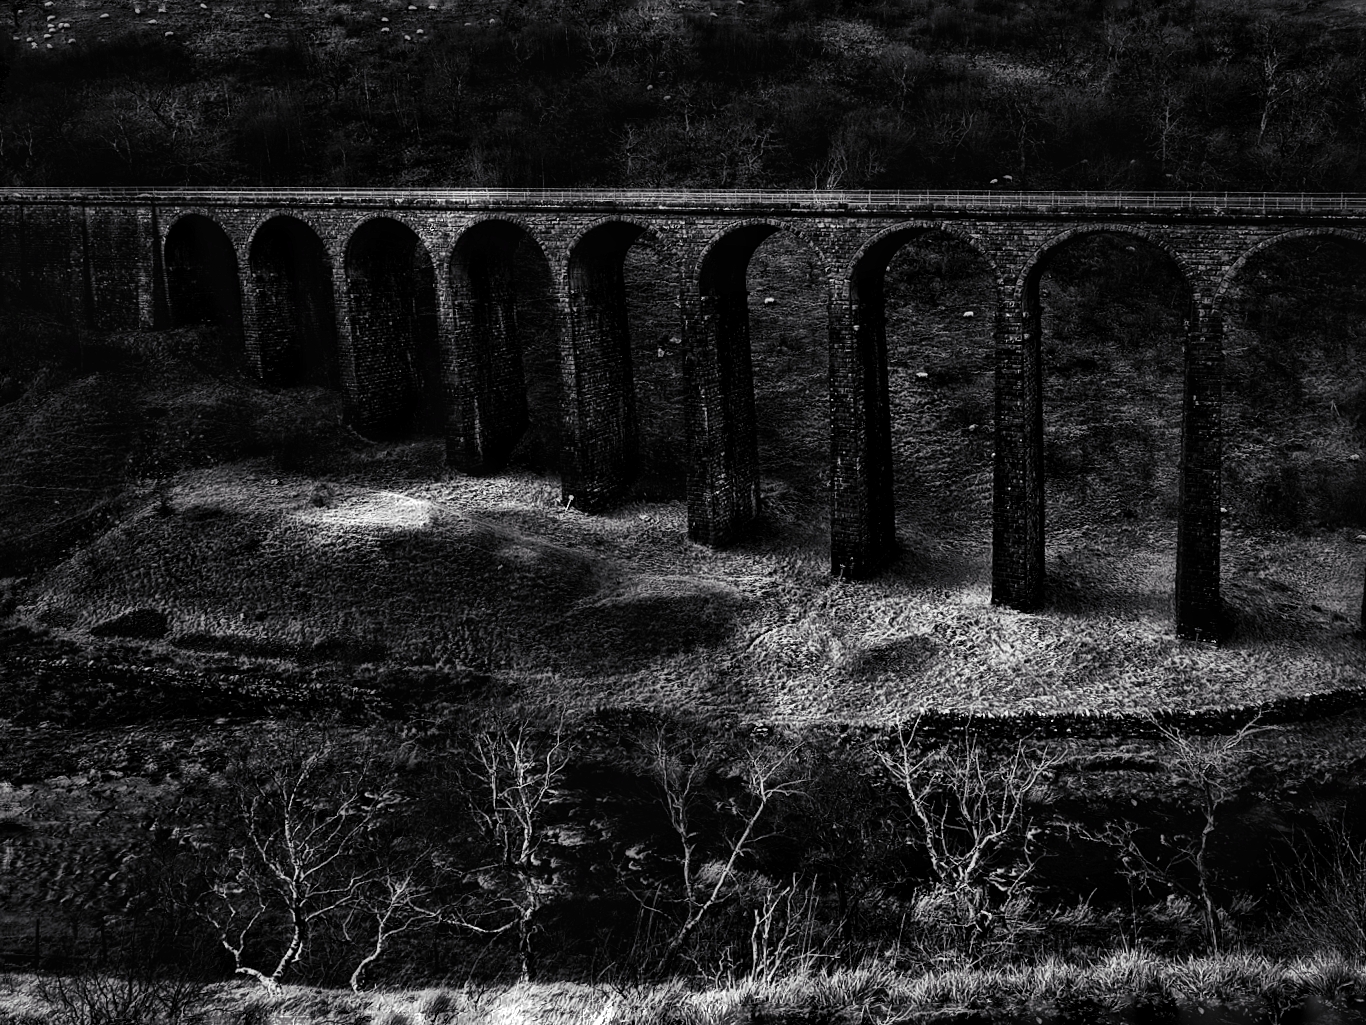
(823, 94)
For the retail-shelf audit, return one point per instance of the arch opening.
(924, 302)
(652, 287)
(201, 277)
(760, 404)
(296, 315)
(1294, 456)
(1108, 312)
(391, 306)
(505, 351)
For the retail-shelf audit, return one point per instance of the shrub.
(1326, 898)
(138, 987)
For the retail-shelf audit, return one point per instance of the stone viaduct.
(404, 299)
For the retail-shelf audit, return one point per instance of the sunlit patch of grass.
(874, 991)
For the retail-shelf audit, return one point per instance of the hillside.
(1121, 94)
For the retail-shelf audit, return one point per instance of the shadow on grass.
(1078, 592)
(1265, 614)
(924, 560)
(646, 619)
(897, 658)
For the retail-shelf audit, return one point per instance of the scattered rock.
(143, 624)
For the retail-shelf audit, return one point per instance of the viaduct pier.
(404, 300)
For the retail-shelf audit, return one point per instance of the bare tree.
(127, 995)
(510, 786)
(136, 983)
(681, 774)
(974, 819)
(393, 904)
(1325, 887)
(307, 821)
(1269, 61)
(1208, 766)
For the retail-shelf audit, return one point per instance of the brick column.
(251, 330)
(862, 527)
(51, 258)
(346, 346)
(11, 250)
(599, 455)
(160, 308)
(1017, 570)
(1198, 605)
(84, 297)
(149, 270)
(723, 467)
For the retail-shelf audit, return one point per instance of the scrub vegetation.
(1111, 94)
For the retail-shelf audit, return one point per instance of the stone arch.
(203, 284)
(420, 227)
(1034, 265)
(609, 234)
(1020, 464)
(1229, 276)
(1293, 413)
(498, 393)
(291, 272)
(731, 241)
(722, 423)
(495, 231)
(320, 228)
(864, 501)
(602, 450)
(883, 245)
(392, 313)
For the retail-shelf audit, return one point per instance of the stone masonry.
(405, 301)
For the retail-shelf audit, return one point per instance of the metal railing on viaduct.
(406, 300)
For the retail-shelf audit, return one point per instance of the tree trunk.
(526, 949)
(1210, 913)
(295, 950)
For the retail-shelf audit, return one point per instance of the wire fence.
(817, 200)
